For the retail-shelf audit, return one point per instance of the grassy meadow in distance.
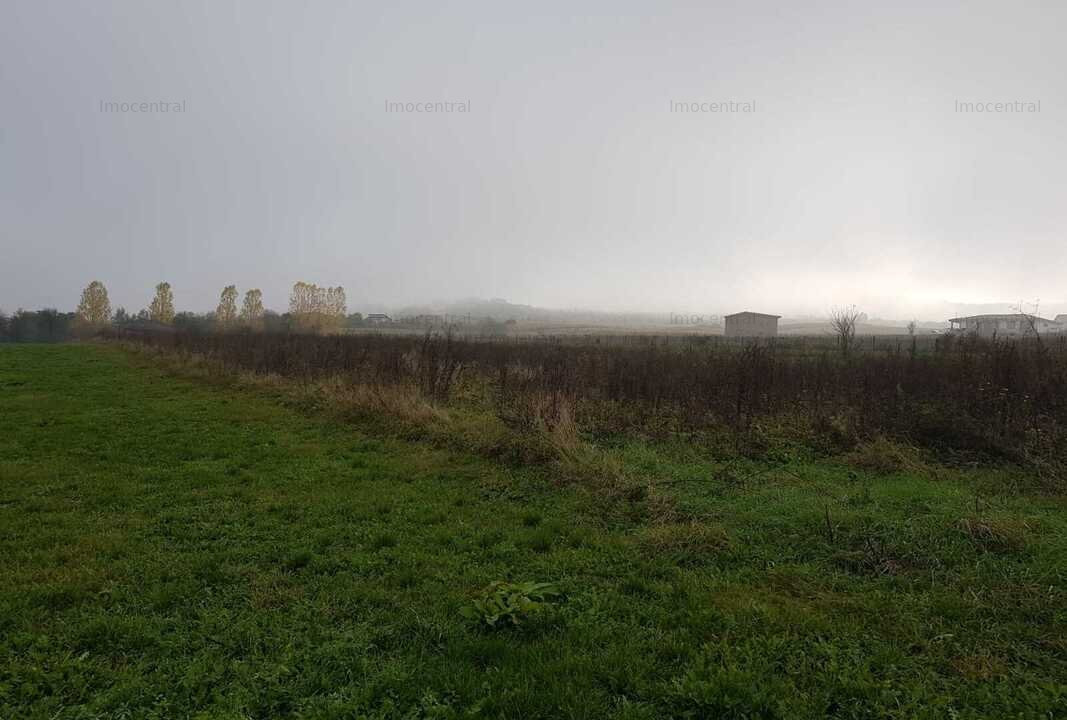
(173, 546)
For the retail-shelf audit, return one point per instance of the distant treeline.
(312, 309)
(48, 325)
(51, 325)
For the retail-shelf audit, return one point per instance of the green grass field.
(174, 547)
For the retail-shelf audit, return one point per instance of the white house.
(1011, 325)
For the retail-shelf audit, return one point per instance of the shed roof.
(1000, 316)
(754, 314)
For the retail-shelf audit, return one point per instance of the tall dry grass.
(1002, 397)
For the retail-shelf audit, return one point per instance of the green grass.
(178, 548)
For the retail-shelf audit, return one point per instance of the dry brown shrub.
(990, 535)
(684, 542)
(400, 401)
(885, 457)
(979, 667)
(872, 560)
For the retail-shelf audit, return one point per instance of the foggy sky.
(569, 183)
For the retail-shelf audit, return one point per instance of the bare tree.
(843, 322)
(912, 327)
(1030, 319)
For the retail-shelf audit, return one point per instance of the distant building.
(378, 319)
(751, 324)
(1010, 325)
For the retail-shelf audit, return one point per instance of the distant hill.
(500, 309)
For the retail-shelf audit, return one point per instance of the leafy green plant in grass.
(511, 604)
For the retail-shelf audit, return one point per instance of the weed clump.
(382, 541)
(507, 604)
(298, 560)
(684, 543)
(995, 536)
(884, 456)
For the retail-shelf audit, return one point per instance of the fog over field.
(787, 157)
(522, 361)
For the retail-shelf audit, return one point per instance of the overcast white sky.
(569, 183)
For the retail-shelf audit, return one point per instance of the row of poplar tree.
(311, 308)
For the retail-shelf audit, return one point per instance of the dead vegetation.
(874, 557)
(982, 667)
(886, 457)
(994, 535)
(998, 398)
(685, 543)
